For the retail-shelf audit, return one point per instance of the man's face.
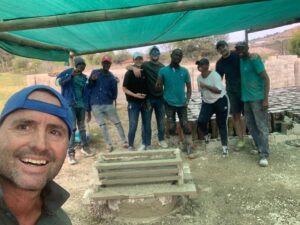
(242, 51)
(33, 146)
(223, 50)
(80, 67)
(106, 65)
(176, 56)
(202, 68)
(154, 58)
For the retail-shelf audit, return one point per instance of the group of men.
(246, 92)
(37, 123)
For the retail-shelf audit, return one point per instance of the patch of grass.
(9, 84)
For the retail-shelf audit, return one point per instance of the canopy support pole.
(115, 14)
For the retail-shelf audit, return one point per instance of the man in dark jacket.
(103, 92)
(74, 89)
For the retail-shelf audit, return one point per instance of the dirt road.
(231, 191)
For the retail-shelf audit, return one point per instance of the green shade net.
(134, 32)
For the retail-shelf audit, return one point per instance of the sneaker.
(87, 152)
(207, 138)
(72, 160)
(142, 147)
(263, 162)
(253, 152)
(240, 144)
(131, 148)
(109, 148)
(163, 144)
(225, 151)
(125, 144)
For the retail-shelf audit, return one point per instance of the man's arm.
(65, 77)
(188, 92)
(266, 78)
(136, 71)
(159, 84)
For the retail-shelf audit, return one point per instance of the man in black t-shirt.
(136, 91)
(229, 65)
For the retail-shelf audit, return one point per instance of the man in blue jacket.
(74, 89)
(103, 92)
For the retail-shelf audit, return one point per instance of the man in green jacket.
(35, 127)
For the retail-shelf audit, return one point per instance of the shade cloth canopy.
(51, 29)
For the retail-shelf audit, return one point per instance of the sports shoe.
(125, 144)
(131, 148)
(207, 138)
(240, 144)
(253, 152)
(142, 147)
(263, 162)
(225, 151)
(87, 152)
(163, 144)
(72, 160)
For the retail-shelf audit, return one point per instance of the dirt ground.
(231, 191)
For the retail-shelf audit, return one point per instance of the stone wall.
(283, 71)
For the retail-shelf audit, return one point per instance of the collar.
(53, 196)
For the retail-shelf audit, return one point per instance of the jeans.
(158, 105)
(79, 119)
(257, 122)
(102, 112)
(220, 108)
(182, 115)
(134, 110)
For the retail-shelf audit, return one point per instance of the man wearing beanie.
(35, 127)
(151, 69)
(74, 89)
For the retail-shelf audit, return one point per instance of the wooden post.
(115, 14)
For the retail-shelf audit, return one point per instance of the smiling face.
(33, 146)
(223, 50)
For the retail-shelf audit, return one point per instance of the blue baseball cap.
(20, 101)
(137, 55)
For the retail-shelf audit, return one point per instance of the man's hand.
(89, 117)
(140, 95)
(265, 104)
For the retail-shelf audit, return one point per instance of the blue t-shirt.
(174, 81)
(253, 85)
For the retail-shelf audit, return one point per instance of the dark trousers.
(182, 115)
(221, 109)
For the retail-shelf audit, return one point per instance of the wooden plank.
(150, 190)
(139, 180)
(140, 153)
(138, 173)
(137, 164)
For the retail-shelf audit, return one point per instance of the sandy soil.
(231, 191)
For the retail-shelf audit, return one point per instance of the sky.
(237, 36)
(240, 35)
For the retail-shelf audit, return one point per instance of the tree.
(294, 43)
(194, 49)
